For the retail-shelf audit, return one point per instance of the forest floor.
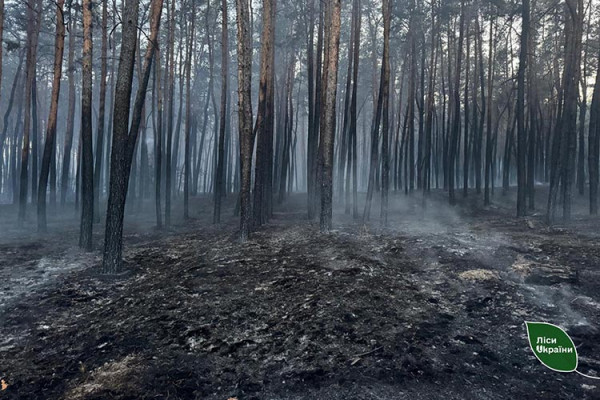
(432, 306)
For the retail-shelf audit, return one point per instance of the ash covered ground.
(432, 306)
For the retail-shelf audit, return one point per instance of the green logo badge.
(553, 347)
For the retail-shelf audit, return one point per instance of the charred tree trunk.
(534, 125)
(124, 139)
(219, 172)
(66, 165)
(343, 157)
(3, 135)
(565, 137)
(314, 123)
(59, 45)
(5, 123)
(34, 15)
(477, 158)
(489, 145)
(14, 150)
(263, 129)
(34, 133)
(288, 120)
(158, 149)
(409, 159)
(374, 149)
(351, 171)
(385, 77)
(188, 116)
(594, 144)
(520, 110)
(244, 47)
(430, 103)
(454, 139)
(87, 172)
(329, 114)
(466, 127)
(169, 93)
(101, 108)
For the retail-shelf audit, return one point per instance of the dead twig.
(357, 357)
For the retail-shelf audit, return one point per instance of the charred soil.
(431, 306)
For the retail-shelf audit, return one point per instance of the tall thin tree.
(87, 169)
(329, 113)
(124, 137)
(385, 77)
(219, 172)
(101, 112)
(59, 45)
(520, 110)
(244, 46)
(33, 30)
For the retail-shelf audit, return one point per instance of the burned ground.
(431, 306)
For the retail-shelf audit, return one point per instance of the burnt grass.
(432, 306)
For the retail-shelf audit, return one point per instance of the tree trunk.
(59, 45)
(3, 136)
(34, 15)
(263, 129)
(344, 156)
(287, 128)
(219, 172)
(430, 103)
(488, 136)
(169, 93)
(520, 110)
(329, 114)
(565, 137)
(352, 153)
(454, 139)
(477, 158)
(34, 134)
(158, 149)
(15, 144)
(466, 108)
(594, 144)
(5, 122)
(188, 116)
(66, 165)
(101, 108)
(108, 136)
(87, 172)
(385, 77)
(244, 50)
(124, 140)
(314, 124)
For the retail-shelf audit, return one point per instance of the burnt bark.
(594, 144)
(87, 171)
(246, 137)
(59, 45)
(68, 145)
(220, 170)
(329, 114)
(124, 138)
(520, 110)
(101, 113)
(34, 16)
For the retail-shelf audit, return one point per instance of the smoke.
(558, 300)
